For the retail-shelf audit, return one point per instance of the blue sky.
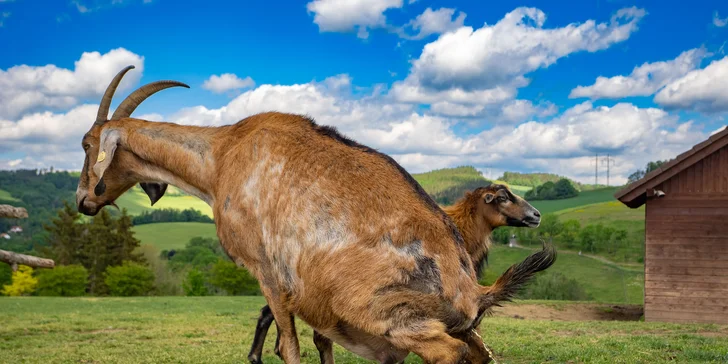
(518, 86)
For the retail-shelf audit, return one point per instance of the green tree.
(63, 280)
(129, 279)
(194, 284)
(199, 252)
(96, 245)
(570, 233)
(501, 235)
(235, 280)
(550, 227)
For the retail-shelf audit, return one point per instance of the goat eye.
(501, 199)
(86, 146)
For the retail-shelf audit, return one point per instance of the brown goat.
(475, 215)
(335, 232)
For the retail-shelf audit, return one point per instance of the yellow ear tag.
(102, 156)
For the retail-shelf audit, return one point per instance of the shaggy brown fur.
(475, 219)
(336, 233)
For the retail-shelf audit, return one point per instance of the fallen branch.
(14, 259)
(13, 212)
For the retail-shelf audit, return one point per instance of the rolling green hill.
(604, 282)
(136, 201)
(612, 213)
(173, 235)
(584, 198)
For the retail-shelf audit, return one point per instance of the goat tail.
(508, 284)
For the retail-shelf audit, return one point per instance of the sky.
(527, 86)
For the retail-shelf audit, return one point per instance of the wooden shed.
(686, 234)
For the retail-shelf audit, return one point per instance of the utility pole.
(608, 161)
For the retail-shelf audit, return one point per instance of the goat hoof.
(254, 359)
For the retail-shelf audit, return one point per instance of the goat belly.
(367, 346)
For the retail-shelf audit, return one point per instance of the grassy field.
(605, 282)
(6, 196)
(220, 330)
(135, 201)
(584, 198)
(613, 213)
(173, 235)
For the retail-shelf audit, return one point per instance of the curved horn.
(108, 94)
(137, 97)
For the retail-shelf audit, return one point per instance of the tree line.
(616, 243)
(100, 256)
(563, 188)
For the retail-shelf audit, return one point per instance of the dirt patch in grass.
(571, 312)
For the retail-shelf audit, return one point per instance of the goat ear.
(155, 191)
(108, 143)
(489, 197)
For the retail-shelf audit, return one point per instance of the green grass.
(135, 201)
(608, 283)
(220, 330)
(613, 213)
(173, 235)
(584, 198)
(6, 196)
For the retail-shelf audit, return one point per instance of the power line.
(608, 161)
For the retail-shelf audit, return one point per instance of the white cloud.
(350, 15)
(704, 90)
(433, 22)
(28, 88)
(4, 15)
(644, 80)
(226, 82)
(88, 6)
(511, 112)
(487, 65)
(718, 22)
(47, 138)
(46, 126)
(517, 44)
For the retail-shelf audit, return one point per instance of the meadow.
(220, 330)
(172, 235)
(136, 202)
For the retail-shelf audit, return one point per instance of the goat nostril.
(537, 214)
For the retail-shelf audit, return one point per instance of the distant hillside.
(531, 180)
(584, 198)
(449, 184)
(173, 235)
(603, 282)
(136, 201)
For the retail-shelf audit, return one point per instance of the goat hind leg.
(325, 347)
(261, 330)
(477, 353)
(287, 339)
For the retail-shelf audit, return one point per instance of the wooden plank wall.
(686, 251)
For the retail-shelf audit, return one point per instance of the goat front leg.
(430, 342)
(261, 330)
(325, 347)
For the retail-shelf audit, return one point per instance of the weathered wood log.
(14, 259)
(13, 212)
